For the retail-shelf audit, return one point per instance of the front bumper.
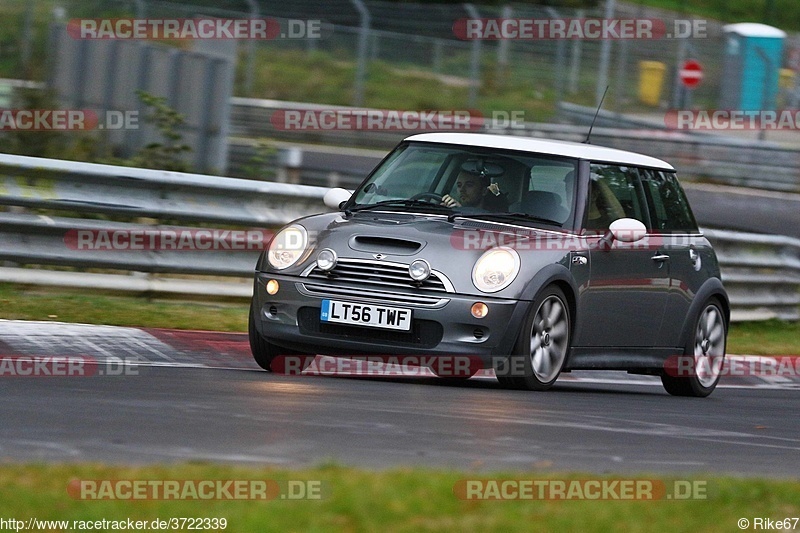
(442, 323)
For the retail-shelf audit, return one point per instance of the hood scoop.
(384, 245)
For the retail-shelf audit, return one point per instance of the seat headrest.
(542, 203)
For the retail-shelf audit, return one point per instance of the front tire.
(707, 348)
(542, 346)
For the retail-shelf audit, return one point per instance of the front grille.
(331, 290)
(387, 275)
(423, 333)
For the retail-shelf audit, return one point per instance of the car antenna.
(595, 116)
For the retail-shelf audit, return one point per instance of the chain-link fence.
(386, 54)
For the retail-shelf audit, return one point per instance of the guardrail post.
(291, 161)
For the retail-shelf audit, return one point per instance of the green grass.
(393, 500)
(38, 303)
(773, 337)
(90, 307)
(321, 77)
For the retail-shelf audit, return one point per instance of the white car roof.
(544, 146)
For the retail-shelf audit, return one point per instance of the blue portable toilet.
(751, 66)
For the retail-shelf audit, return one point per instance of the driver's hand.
(449, 201)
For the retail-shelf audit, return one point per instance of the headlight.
(496, 269)
(287, 247)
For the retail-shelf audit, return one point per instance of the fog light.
(419, 270)
(326, 259)
(273, 286)
(479, 310)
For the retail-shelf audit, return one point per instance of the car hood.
(450, 247)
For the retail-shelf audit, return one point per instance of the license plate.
(374, 316)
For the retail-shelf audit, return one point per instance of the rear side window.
(614, 193)
(669, 208)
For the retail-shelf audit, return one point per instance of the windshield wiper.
(513, 217)
(399, 203)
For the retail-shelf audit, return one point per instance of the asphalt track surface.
(198, 396)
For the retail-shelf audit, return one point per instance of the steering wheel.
(436, 198)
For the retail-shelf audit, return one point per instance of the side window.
(550, 192)
(670, 211)
(613, 194)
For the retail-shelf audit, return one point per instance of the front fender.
(711, 288)
(548, 275)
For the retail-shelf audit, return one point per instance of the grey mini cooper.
(527, 256)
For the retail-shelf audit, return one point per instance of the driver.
(475, 190)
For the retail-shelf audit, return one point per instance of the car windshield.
(489, 183)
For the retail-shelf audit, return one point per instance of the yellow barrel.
(651, 79)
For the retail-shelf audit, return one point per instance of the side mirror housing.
(624, 230)
(628, 230)
(334, 197)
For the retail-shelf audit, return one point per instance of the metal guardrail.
(761, 272)
(91, 191)
(108, 189)
(103, 244)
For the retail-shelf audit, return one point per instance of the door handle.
(660, 257)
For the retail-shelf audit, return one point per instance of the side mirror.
(628, 230)
(334, 197)
(624, 230)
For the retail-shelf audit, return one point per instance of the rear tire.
(267, 354)
(707, 346)
(542, 346)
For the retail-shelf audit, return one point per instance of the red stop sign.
(691, 73)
